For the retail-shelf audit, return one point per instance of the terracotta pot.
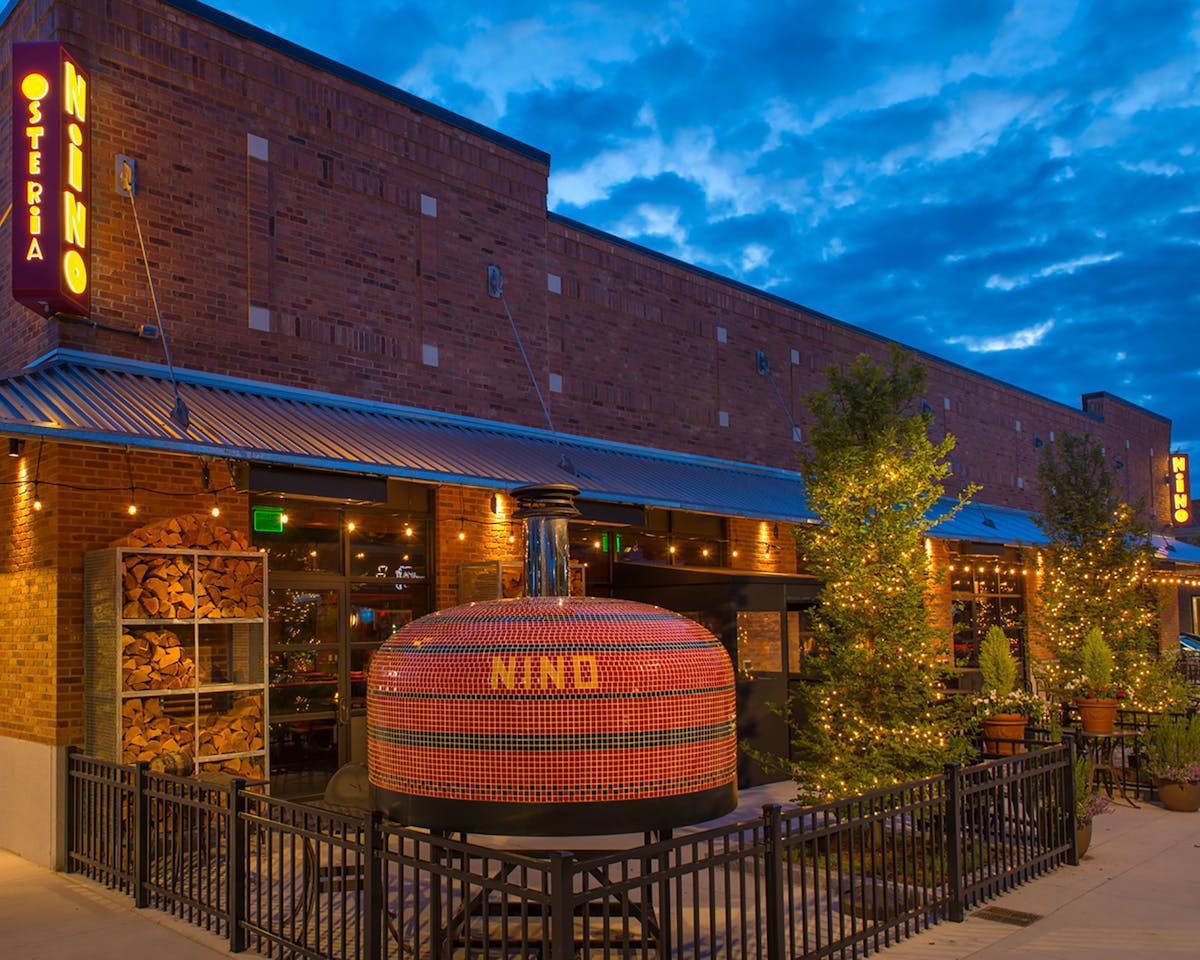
(1097, 715)
(1000, 729)
(1174, 795)
(1083, 837)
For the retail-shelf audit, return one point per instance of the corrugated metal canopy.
(987, 524)
(1168, 548)
(77, 396)
(99, 399)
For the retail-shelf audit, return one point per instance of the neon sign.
(50, 183)
(1181, 502)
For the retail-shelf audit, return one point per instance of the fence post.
(1071, 804)
(71, 821)
(141, 839)
(236, 893)
(562, 906)
(953, 839)
(372, 864)
(773, 880)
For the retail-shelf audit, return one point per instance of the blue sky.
(1013, 186)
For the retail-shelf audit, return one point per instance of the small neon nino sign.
(1181, 502)
(50, 183)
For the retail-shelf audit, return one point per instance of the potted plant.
(1003, 709)
(1089, 802)
(1173, 759)
(1096, 696)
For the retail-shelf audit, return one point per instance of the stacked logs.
(169, 744)
(193, 531)
(155, 660)
(239, 730)
(154, 736)
(230, 587)
(181, 586)
(159, 587)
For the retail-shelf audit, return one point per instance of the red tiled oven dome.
(552, 715)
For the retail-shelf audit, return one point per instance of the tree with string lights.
(1096, 572)
(876, 714)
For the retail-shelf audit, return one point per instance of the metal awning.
(84, 397)
(1168, 548)
(984, 523)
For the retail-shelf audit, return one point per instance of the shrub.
(1173, 750)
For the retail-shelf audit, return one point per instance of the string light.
(37, 472)
(132, 509)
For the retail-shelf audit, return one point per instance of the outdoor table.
(1100, 748)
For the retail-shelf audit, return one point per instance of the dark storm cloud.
(1014, 186)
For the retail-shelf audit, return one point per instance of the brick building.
(347, 292)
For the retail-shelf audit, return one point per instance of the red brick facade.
(313, 228)
(358, 231)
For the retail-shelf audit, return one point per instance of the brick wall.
(85, 495)
(307, 230)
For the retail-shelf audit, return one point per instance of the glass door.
(377, 610)
(308, 692)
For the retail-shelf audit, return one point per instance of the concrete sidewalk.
(1134, 895)
(56, 916)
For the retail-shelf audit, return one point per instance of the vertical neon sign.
(50, 182)
(1181, 503)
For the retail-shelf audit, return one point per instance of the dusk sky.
(1010, 186)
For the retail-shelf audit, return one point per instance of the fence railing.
(837, 880)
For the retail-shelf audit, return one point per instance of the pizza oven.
(551, 714)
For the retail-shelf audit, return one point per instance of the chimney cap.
(546, 500)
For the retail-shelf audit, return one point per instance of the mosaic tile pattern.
(551, 700)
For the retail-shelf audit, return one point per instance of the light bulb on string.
(37, 473)
(132, 509)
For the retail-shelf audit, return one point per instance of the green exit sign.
(268, 519)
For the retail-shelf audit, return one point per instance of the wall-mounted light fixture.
(16, 446)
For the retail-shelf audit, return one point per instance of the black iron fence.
(838, 880)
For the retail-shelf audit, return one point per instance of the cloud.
(1069, 267)
(1017, 340)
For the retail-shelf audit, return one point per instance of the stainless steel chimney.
(546, 509)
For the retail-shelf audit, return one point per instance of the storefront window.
(985, 592)
(299, 537)
(759, 642)
(386, 547)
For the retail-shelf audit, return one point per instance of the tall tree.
(876, 715)
(1096, 572)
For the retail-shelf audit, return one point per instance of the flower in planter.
(1089, 801)
(999, 693)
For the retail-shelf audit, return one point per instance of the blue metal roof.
(84, 397)
(1168, 548)
(988, 524)
(72, 396)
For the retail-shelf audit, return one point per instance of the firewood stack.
(230, 587)
(152, 735)
(239, 730)
(155, 660)
(157, 730)
(193, 531)
(161, 587)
